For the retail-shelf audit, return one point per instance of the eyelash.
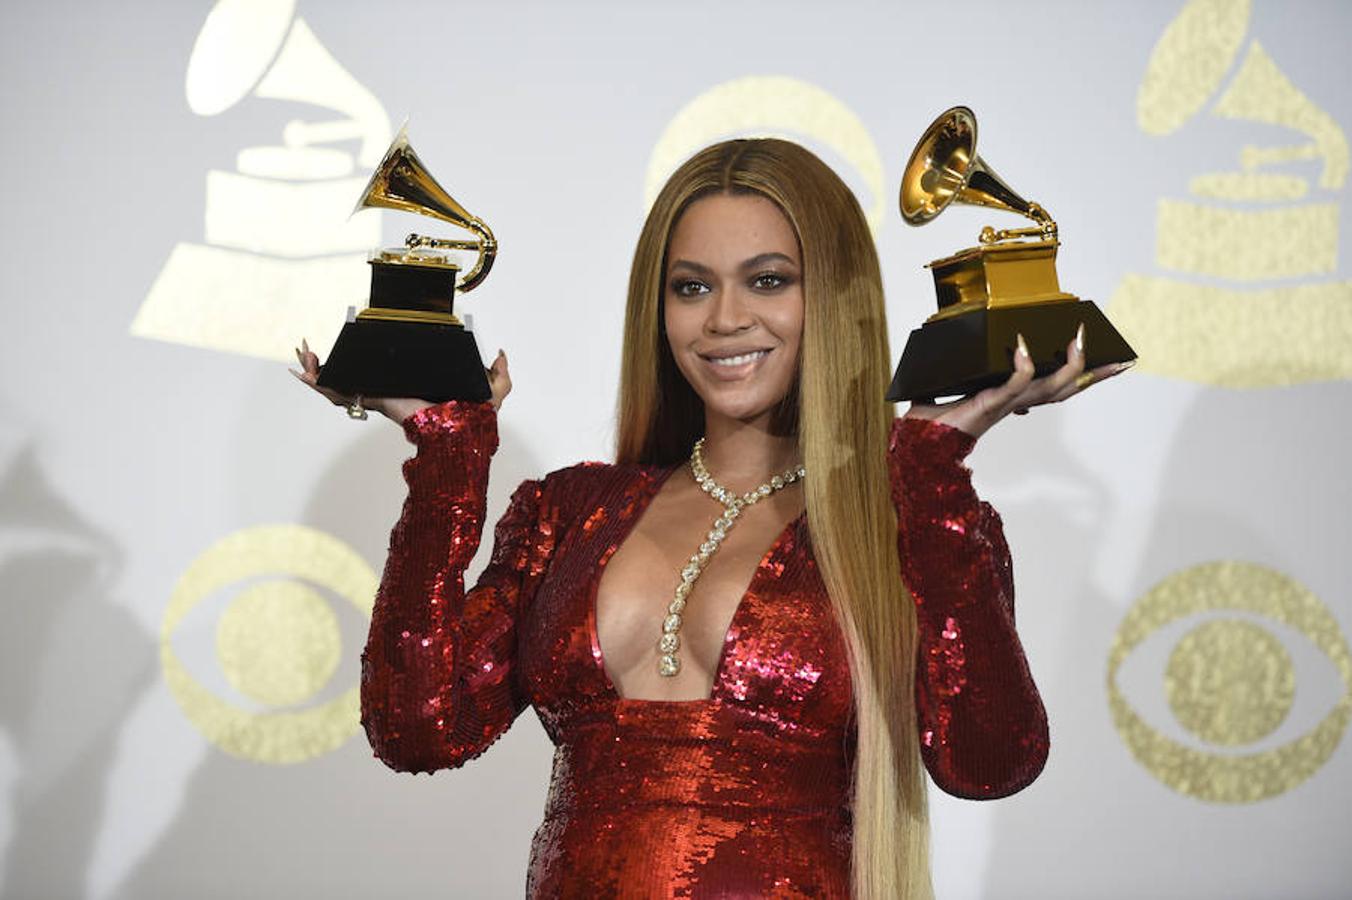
(679, 286)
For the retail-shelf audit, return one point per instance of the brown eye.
(687, 287)
(769, 281)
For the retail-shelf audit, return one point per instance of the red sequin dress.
(744, 794)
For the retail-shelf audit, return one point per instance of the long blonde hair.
(842, 423)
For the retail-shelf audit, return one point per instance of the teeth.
(739, 360)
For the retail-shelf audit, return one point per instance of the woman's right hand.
(396, 409)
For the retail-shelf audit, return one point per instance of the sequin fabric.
(745, 793)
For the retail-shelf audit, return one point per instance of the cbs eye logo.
(772, 105)
(1230, 682)
(277, 641)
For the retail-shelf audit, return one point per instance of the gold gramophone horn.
(402, 182)
(944, 168)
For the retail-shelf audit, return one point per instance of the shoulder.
(583, 486)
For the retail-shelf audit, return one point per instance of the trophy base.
(973, 351)
(376, 358)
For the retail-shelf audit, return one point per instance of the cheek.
(675, 333)
(681, 325)
(789, 323)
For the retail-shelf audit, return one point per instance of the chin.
(743, 409)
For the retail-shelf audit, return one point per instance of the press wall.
(189, 539)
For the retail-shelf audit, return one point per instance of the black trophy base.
(975, 350)
(377, 358)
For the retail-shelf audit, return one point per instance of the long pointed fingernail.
(299, 356)
(305, 344)
(294, 372)
(1079, 339)
(1023, 347)
(1122, 367)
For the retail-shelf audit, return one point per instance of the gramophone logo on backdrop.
(1257, 305)
(281, 256)
(280, 260)
(1231, 681)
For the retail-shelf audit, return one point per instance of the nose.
(729, 313)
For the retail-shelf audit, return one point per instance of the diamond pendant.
(668, 663)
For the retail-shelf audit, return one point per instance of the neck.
(743, 455)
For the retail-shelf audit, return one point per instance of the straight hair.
(836, 409)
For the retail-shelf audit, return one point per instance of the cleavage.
(640, 580)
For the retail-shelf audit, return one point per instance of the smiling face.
(733, 303)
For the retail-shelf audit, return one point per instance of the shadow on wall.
(343, 824)
(73, 663)
(1241, 465)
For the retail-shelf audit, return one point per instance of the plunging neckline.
(626, 530)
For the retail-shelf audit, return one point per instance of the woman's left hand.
(977, 413)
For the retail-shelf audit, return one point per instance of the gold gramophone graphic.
(408, 342)
(993, 292)
(1250, 295)
(277, 255)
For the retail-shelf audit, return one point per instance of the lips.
(735, 364)
(739, 359)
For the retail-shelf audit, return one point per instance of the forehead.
(731, 228)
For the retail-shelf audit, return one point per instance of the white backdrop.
(188, 538)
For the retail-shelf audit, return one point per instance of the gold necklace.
(668, 663)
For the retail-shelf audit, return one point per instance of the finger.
(1065, 381)
(1004, 396)
(501, 379)
(1090, 378)
(310, 380)
(1081, 383)
(308, 359)
(1113, 369)
(1073, 368)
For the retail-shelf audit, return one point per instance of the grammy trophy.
(991, 293)
(408, 342)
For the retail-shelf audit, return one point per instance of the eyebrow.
(752, 263)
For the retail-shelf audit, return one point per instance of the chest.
(760, 631)
(640, 580)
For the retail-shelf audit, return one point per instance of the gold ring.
(1084, 381)
(355, 410)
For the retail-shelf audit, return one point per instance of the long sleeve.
(437, 683)
(983, 729)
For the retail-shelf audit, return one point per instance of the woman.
(728, 720)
